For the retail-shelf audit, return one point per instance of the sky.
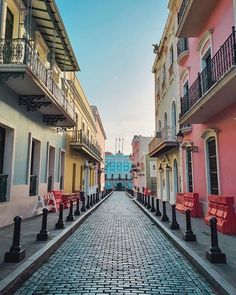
(112, 40)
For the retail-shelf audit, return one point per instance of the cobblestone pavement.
(117, 250)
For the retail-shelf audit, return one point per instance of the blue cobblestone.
(117, 250)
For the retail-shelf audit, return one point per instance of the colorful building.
(164, 146)
(35, 105)
(144, 168)
(117, 171)
(207, 59)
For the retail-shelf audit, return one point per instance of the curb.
(13, 281)
(220, 285)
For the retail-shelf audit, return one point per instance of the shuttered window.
(189, 170)
(212, 166)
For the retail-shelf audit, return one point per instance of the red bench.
(190, 201)
(66, 198)
(223, 209)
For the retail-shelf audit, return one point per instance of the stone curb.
(13, 281)
(220, 285)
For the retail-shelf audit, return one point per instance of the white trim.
(206, 135)
(207, 36)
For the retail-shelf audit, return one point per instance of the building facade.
(144, 168)
(117, 171)
(208, 98)
(164, 146)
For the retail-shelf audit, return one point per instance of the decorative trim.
(33, 102)
(5, 76)
(209, 132)
(205, 37)
(52, 120)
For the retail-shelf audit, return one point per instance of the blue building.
(117, 171)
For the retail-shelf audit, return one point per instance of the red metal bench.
(190, 201)
(223, 209)
(66, 198)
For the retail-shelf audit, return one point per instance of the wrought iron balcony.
(182, 50)
(216, 81)
(80, 141)
(23, 71)
(33, 185)
(193, 15)
(164, 141)
(3, 187)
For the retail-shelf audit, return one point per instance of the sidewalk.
(13, 274)
(197, 249)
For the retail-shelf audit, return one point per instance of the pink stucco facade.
(217, 29)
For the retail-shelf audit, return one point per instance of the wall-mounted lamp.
(180, 137)
(154, 167)
(168, 168)
(192, 148)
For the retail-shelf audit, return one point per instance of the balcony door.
(2, 148)
(9, 25)
(207, 71)
(73, 177)
(51, 168)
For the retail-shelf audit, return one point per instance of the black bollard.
(174, 224)
(189, 236)
(145, 200)
(60, 223)
(164, 215)
(94, 199)
(77, 210)
(16, 252)
(70, 216)
(158, 212)
(91, 200)
(88, 202)
(153, 206)
(43, 234)
(82, 197)
(148, 204)
(214, 254)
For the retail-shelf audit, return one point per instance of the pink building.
(207, 65)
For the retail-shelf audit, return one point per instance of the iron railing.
(220, 64)
(49, 183)
(78, 136)
(166, 134)
(3, 187)
(21, 52)
(33, 185)
(182, 46)
(182, 10)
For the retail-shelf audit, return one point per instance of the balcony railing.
(182, 10)
(167, 134)
(21, 52)
(33, 185)
(3, 187)
(182, 46)
(219, 65)
(79, 137)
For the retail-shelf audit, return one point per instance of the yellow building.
(84, 154)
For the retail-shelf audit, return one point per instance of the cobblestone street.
(117, 250)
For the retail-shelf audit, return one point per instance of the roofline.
(99, 121)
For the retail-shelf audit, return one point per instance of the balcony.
(80, 142)
(193, 15)
(164, 141)
(182, 50)
(214, 89)
(3, 187)
(22, 70)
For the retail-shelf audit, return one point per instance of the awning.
(50, 25)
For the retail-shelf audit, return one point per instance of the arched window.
(165, 126)
(212, 169)
(176, 178)
(159, 125)
(189, 169)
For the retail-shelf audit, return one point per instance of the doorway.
(73, 177)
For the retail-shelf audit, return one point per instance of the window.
(189, 169)
(9, 25)
(119, 176)
(119, 166)
(207, 71)
(171, 56)
(112, 166)
(212, 166)
(126, 166)
(112, 176)
(173, 115)
(83, 126)
(126, 176)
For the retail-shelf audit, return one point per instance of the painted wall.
(220, 24)
(22, 123)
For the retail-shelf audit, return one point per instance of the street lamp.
(167, 168)
(180, 136)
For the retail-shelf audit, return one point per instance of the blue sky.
(112, 40)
